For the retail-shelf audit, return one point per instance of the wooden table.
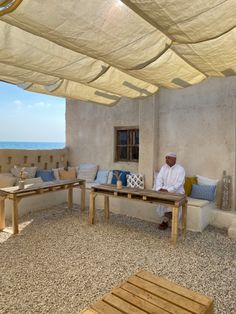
(147, 293)
(16, 195)
(173, 200)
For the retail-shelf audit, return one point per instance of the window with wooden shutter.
(126, 144)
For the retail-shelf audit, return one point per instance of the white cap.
(171, 154)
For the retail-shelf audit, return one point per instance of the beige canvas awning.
(102, 50)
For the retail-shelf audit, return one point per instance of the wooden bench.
(16, 195)
(146, 293)
(172, 200)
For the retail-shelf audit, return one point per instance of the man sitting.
(169, 179)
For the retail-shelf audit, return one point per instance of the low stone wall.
(41, 158)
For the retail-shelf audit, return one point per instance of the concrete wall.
(90, 132)
(197, 122)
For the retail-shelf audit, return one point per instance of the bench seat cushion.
(197, 202)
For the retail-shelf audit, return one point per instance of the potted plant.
(118, 182)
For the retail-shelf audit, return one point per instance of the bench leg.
(106, 207)
(174, 227)
(2, 214)
(184, 220)
(70, 198)
(82, 200)
(15, 216)
(91, 207)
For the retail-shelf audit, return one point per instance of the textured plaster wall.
(199, 124)
(90, 131)
(148, 145)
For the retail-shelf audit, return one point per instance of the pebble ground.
(59, 264)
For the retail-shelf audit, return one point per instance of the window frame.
(131, 130)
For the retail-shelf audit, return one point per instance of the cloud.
(42, 104)
(18, 103)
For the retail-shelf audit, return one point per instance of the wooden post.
(184, 219)
(174, 227)
(91, 207)
(70, 198)
(82, 200)
(2, 214)
(106, 207)
(15, 215)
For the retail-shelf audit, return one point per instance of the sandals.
(163, 225)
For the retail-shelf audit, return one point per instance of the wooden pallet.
(146, 293)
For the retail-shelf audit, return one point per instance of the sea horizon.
(31, 145)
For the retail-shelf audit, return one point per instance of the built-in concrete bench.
(42, 159)
(198, 214)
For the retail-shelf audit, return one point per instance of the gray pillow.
(30, 171)
(87, 172)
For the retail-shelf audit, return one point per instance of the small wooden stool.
(146, 293)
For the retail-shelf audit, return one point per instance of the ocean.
(31, 145)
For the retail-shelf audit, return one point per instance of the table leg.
(82, 200)
(91, 207)
(184, 219)
(15, 216)
(174, 227)
(70, 198)
(2, 214)
(106, 207)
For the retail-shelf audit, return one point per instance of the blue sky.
(27, 116)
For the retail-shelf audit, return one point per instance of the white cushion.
(135, 180)
(6, 180)
(87, 172)
(197, 202)
(206, 181)
(110, 175)
(30, 171)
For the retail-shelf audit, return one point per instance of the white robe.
(172, 180)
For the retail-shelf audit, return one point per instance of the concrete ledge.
(221, 218)
(232, 232)
(232, 229)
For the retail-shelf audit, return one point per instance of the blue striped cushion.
(203, 192)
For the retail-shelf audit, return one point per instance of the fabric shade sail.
(102, 50)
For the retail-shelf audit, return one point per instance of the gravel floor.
(60, 264)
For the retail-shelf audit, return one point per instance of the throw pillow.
(110, 175)
(102, 176)
(123, 174)
(56, 172)
(87, 172)
(206, 181)
(6, 180)
(33, 181)
(203, 192)
(46, 175)
(67, 175)
(30, 171)
(189, 181)
(135, 180)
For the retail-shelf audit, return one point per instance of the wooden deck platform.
(146, 293)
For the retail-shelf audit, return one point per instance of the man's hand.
(163, 190)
